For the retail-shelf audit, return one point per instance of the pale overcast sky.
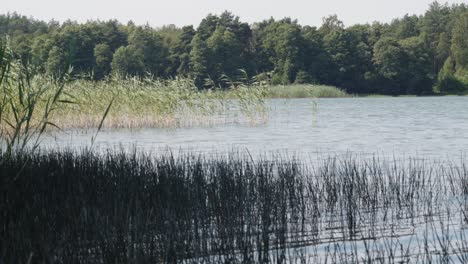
(188, 12)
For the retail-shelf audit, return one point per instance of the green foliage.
(460, 47)
(305, 91)
(128, 60)
(443, 49)
(435, 22)
(406, 27)
(56, 62)
(26, 105)
(451, 85)
(330, 24)
(151, 50)
(220, 48)
(303, 77)
(199, 56)
(283, 38)
(144, 102)
(225, 51)
(405, 65)
(349, 57)
(389, 58)
(448, 68)
(103, 59)
(180, 53)
(448, 82)
(419, 77)
(21, 46)
(400, 57)
(40, 48)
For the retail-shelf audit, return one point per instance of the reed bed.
(152, 103)
(83, 207)
(306, 91)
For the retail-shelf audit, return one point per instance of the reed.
(305, 91)
(148, 103)
(31, 102)
(153, 103)
(26, 105)
(82, 207)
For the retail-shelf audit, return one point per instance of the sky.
(191, 12)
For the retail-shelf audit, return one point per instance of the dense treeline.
(410, 55)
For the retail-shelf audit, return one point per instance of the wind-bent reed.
(68, 207)
(149, 103)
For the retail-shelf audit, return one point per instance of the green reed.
(26, 104)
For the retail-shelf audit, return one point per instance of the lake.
(341, 211)
(429, 127)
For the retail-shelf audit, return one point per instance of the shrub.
(451, 85)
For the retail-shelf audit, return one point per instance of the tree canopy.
(410, 55)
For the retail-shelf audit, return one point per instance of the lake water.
(431, 225)
(429, 127)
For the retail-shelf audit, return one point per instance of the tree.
(78, 42)
(56, 62)
(435, 21)
(22, 47)
(442, 49)
(460, 47)
(225, 52)
(447, 83)
(404, 66)
(261, 57)
(103, 60)
(418, 76)
(40, 51)
(283, 40)
(111, 33)
(451, 85)
(151, 47)
(330, 24)
(220, 48)
(128, 60)
(316, 59)
(349, 57)
(207, 26)
(199, 58)
(406, 27)
(180, 53)
(389, 59)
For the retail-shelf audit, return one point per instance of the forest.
(416, 55)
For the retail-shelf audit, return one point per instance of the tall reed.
(149, 102)
(70, 207)
(26, 105)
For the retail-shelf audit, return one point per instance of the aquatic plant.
(305, 91)
(69, 207)
(149, 102)
(26, 105)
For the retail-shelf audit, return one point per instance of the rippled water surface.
(423, 126)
